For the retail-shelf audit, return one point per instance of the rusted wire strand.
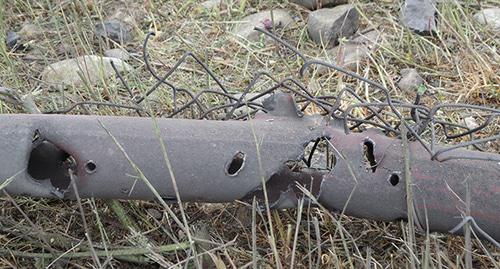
(422, 120)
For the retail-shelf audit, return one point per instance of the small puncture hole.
(236, 164)
(90, 167)
(394, 179)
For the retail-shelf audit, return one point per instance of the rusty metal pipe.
(217, 161)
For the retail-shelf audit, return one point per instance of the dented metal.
(223, 161)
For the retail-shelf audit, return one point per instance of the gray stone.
(352, 53)
(129, 13)
(34, 55)
(10, 96)
(29, 30)
(490, 17)
(12, 40)
(471, 123)
(155, 213)
(419, 16)
(114, 30)
(317, 4)
(371, 38)
(410, 80)
(349, 55)
(117, 53)
(211, 4)
(264, 19)
(327, 25)
(91, 68)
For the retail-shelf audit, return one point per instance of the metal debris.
(229, 159)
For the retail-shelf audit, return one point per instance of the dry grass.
(459, 64)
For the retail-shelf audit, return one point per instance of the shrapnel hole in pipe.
(48, 162)
(317, 160)
(368, 149)
(394, 179)
(90, 167)
(236, 164)
(318, 155)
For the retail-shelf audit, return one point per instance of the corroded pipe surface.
(222, 161)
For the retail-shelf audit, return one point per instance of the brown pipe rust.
(223, 161)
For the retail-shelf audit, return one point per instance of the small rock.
(114, 30)
(489, 16)
(91, 67)
(471, 123)
(29, 31)
(66, 49)
(155, 213)
(371, 38)
(264, 19)
(326, 26)
(211, 4)
(244, 215)
(10, 96)
(34, 54)
(211, 208)
(349, 55)
(181, 234)
(410, 80)
(12, 39)
(317, 4)
(420, 16)
(130, 14)
(118, 54)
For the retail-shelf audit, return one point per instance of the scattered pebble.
(117, 53)
(66, 49)
(211, 208)
(12, 40)
(264, 19)
(244, 215)
(420, 16)
(349, 55)
(21, 40)
(114, 30)
(29, 30)
(327, 25)
(352, 53)
(317, 4)
(155, 213)
(371, 38)
(10, 96)
(490, 17)
(211, 4)
(129, 14)
(410, 80)
(91, 67)
(34, 55)
(471, 123)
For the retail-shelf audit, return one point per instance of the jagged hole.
(368, 149)
(236, 164)
(283, 191)
(318, 155)
(48, 162)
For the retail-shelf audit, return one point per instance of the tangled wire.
(420, 122)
